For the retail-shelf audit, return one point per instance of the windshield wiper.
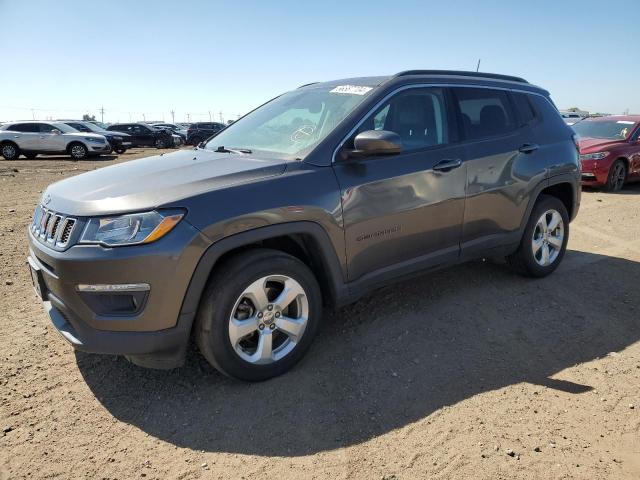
(222, 149)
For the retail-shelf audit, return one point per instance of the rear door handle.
(528, 148)
(447, 165)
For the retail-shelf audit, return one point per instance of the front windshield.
(64, 128)
(92, 127)
(607, 129)
(291, 125)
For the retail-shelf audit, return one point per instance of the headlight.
(118, 139)
(131, 229)
(594, 156)
(95, 140)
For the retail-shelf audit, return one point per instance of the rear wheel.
(9, 151)
(617, 176)
(544, 242)
(159, 143)
(259, 315)
(78, 151)
(120, 150)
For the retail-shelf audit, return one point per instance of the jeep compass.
(313, 199)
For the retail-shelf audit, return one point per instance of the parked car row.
(81, 139)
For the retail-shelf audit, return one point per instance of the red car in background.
(609, 150)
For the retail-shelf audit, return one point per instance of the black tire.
(159, 143)
(524, 260)
(617, 176)
(30, 156)
(9, 150)
(225, 288)
(120, 150)
(78, 151)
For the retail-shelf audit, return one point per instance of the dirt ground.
(440, 377)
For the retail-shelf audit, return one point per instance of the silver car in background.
(33, 138)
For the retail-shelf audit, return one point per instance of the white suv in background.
(31, 138)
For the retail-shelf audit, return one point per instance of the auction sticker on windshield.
(351, 89)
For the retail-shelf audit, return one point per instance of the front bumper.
(159, 326)
(595, 172)
(99, 148)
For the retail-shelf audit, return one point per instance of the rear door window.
(484, 112)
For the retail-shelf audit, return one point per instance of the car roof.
(436, 77)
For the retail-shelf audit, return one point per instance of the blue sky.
(66, 58)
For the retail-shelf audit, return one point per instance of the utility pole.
(173, 117)
(188, 118)
(478, 66)
(102, 114)
(144, 119)
(209, 115)
(129, 117)
(221, 119)
(33, 115)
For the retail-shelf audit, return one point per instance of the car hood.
(85, 135)
(151, 182)
(590, 145)
(110, 133)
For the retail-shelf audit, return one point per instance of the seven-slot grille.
(51, 227)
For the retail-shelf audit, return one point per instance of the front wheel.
(617, 176)
(159, 143)
(120, 150)
(78, 151)
(259, 315)
(544, 242)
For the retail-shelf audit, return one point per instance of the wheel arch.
(304, 240)
(72, 142)
(565, 187)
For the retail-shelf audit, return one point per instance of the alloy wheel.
(9, 151)
(617, 176)
(548, 238)
(78, 151)
(268, 319)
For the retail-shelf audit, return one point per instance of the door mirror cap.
(376, 142)
(56, 131)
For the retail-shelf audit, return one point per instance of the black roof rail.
(461, 73)
(307, 84)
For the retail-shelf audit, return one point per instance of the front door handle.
(528, 148)
(447, 165)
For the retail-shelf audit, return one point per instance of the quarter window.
(24, 127)
(484, 112)
(524, 108)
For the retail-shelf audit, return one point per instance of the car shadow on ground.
(628, 189)
(389, 360)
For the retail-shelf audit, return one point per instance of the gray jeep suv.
(315, 198)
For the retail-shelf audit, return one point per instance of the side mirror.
(376, 142)
(55, 131)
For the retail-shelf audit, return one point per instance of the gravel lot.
(469, 373)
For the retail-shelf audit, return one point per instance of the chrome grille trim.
(52, 228)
